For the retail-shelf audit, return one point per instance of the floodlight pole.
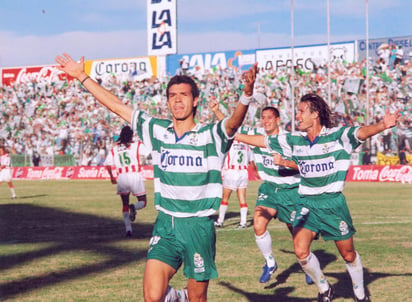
(329, 65)
(292, 76)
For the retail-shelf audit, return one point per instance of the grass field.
(64, 241)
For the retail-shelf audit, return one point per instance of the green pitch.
(64, 241)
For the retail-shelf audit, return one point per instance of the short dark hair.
(274, 110)
(318, 104)
(183, 79)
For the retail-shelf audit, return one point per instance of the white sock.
(243, 215)
(127, 222)
(222, 213)
(264, 243)
(355, 271)
(13, 193)
(311, 267)
(140, 205)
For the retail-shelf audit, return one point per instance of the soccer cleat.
(218, 224)
(132, 212)
(241, 226)
(128, 234)
(13, 197)
(328, 295)
(308, 280)
(176, 295)
(365, 299)
(267, 273)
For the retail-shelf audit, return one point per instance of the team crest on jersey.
(194, 138)
(325, 148)
(198, 263)
(343, 226)
(262, 196)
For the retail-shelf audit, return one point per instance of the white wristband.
(245, 100)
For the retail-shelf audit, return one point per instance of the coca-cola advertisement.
(36, 74)
(397, 173)
(75, 172)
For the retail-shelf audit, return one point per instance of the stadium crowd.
(63, 118)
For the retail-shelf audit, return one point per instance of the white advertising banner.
(306, 57)
(161, 27)
(129, 69)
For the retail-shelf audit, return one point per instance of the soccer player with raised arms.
(322, 153)
(187, 163)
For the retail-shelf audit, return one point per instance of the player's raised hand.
(390, 119)
(69, 66)
(249, 78)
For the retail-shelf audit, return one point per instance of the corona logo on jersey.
(179, 161)
(317, 168)
(267, 161)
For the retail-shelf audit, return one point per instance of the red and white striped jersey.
(126, 159)
(239, 156)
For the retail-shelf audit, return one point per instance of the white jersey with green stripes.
(267, 169)
(323, 164)
(187, 170)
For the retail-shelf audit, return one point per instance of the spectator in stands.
(366, 158)
(402, 157)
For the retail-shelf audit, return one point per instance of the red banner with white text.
(76, 172)
(356, 173)
(396, 173)
(36, 74)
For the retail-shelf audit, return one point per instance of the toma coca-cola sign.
(32, 74)
(380, 173)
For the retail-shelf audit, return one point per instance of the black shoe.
(128, 234)
(132, 212)
(328, 295)
(366, 299)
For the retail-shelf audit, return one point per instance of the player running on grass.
(323, 153)
(277, 195)
(125, 158)
(187, 162)
(5, 170)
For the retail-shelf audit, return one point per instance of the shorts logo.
(198, 263)
(343, 226)
(154, 240)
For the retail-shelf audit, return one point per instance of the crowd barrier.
(373, 173)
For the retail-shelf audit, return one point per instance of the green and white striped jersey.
(324, 163)
(187, 170)
(268, 171)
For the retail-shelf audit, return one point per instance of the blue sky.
(33, 32)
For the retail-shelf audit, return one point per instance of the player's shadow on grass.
(341, 281)
(59, 232)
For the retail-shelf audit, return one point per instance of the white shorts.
(5, 175)
(130, 183)
(235, 179)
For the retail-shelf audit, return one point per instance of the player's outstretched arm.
(388, 121)
(253, 140)
(234, 122)
(105, 97)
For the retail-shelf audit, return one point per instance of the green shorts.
(191, 241)
(326, 214)
(282, 200)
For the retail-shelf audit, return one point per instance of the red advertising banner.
(397, 173)
(30, 74)
(76, 172)
(356, 173)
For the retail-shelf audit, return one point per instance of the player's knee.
(349, 256)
